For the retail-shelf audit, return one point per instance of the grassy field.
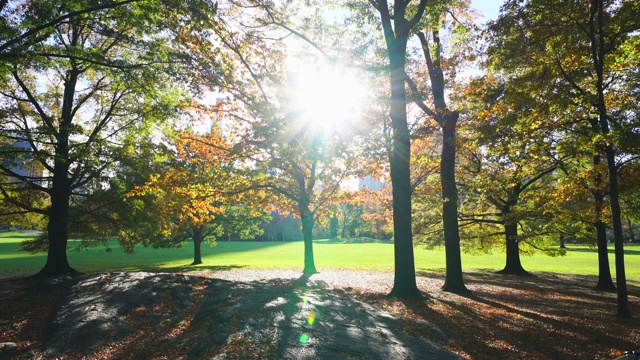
(328, 254)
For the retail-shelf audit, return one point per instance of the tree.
(286, 151)
(195, 196)
(510, 182)
(585, 190)
(447, 119)
(631, 195)
(303, 168)
(377, 213)
(574, 137)
(333, 226)
(585, 45)
(397, 28)
(36, 22)
(242, 221)
(13, 216)
(282, 228)
(86, 84)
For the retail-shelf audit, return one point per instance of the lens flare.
(304, 338)
(311, 319)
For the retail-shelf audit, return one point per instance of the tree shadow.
(95, 311)
(572, 283)
(188, 268)
(159, 314)
(301, 318)
(542, 314)
(246, 245)
(19, 236)
(359, 240)
(179, 315)
(627, 251)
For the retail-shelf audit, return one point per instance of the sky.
(489, 8)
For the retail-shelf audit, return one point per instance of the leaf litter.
(335, 314)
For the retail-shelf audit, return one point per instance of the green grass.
(328, 254)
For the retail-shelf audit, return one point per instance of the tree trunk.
(307, 233)
(447, 120)
(630, 225)
(605, 282)
(513, 265)
(599, 50)
(333, 227)
(57, 263)
(60, 192)
(404, 282)
(453, 282)
(616, 214)
(197, 247)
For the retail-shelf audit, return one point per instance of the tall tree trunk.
(598, 51)
(404, 283)
(513, 265)
(307, 233)
(447, 120)
(396, 30)
(57, 263)
(616, 214)
(60, 192)
(605, 281)
(197, 246)
(307, 218)
(453, 282)
(597, 35)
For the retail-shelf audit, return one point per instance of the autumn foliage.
(193, 193)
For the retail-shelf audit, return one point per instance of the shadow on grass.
(359, 240)
(242, 246)
(187, 268)
(20, 236)
(573, 284)
(627, 251)
(198, 268)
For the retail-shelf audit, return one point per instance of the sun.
(327, 99)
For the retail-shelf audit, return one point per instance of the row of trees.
(542, 145)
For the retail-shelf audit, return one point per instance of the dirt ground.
(336, 314)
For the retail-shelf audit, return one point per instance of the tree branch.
(109, 5)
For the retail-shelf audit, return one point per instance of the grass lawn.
(328, 254)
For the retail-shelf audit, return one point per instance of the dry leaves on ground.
(546, 316)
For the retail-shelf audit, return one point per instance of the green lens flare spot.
(304, 338)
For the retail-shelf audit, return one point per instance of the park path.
(277, 315)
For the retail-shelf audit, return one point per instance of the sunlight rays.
(328, 100)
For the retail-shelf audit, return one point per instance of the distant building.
(369, 183)
(23, 165)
